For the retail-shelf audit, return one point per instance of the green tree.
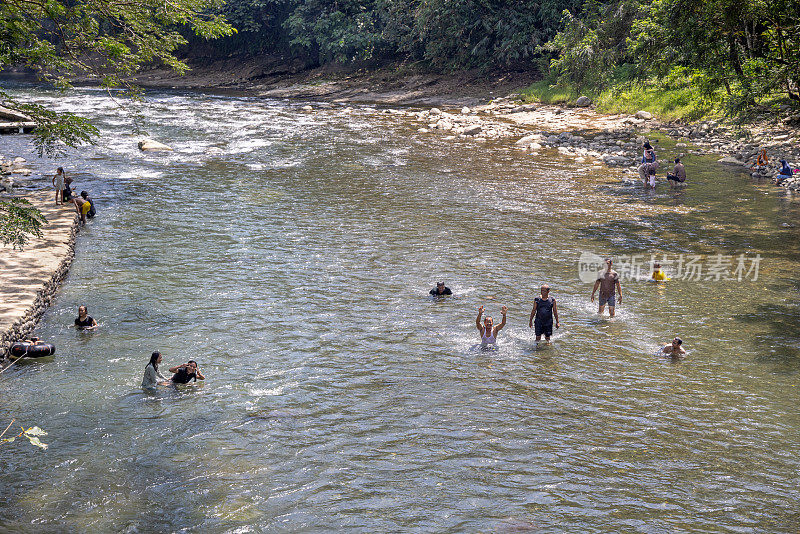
(102, 41)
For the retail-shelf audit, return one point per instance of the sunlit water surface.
(293, 263)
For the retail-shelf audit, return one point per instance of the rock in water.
(465, 110)
(644, 115)
(583, 101)
(528, 139)
(153, 146)
(307, 108)
(472, 130)
(435, 111)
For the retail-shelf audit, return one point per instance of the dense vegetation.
(717, 55)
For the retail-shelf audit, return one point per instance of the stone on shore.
(435, 111)
(465, 110)
(643, 115)
(583, 101)
(153, 146)
(528, 139)
(729, 160)
(475, 129)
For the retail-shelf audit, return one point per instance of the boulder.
(444, 124)
(528, 139)
(583, 101)
(644, 115)
(729, 160)
(307, 108)
(435, 111)
(465, 110)
(153, 146)
(473, 130)
(423, 130)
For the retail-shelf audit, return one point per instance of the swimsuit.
(543, 323)
(85, 207)
(490, 339)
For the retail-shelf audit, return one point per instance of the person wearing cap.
(440, 290)
(675, 348)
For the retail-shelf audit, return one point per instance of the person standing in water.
(85, 321)
(648, 158)
(152, 376)
(58, 183)
(675, 349)
(544, 309)
(487, 329)
(607, 282)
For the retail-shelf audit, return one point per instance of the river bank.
(495, 105)
(30, 278)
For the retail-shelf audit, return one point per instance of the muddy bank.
(30, 278)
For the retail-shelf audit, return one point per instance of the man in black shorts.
(544, 309)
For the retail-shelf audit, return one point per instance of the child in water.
(651, 176)
(658, 275)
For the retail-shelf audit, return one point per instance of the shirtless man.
(675, 349)
(607, 282)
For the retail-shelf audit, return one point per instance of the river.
(291, 253)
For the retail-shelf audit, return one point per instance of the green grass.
(546, 93)
(683, 102)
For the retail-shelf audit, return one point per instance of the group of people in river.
(544, 314)
(182, 374)
(84, 205)
(649, 164)
(761, 168)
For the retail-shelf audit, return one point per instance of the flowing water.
(291, 253)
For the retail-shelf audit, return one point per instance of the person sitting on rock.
(648, 158)
(762, 161)
(678, 174)
(784, 173)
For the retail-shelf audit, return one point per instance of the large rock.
(153, 146)
(435, 111)
(528, 139)
(465, 110)
(644, 115)
(583, 101)
(729, 160)
(473, 130)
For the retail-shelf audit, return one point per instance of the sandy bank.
(29, 278)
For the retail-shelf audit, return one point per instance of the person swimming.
(658, 275)
(675, 348)
(487, 329)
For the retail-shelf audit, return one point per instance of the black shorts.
(542, 328)
(674, 178)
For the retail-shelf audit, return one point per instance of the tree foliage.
(19, 220)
